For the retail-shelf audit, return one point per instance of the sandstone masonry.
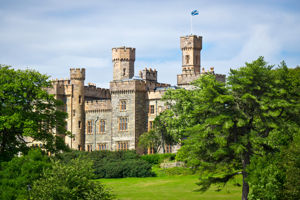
(114, 118)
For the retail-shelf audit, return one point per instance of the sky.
(51, 36)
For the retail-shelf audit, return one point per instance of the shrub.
(112, 164)
(155, 159)
(17, 174)
(69, 181)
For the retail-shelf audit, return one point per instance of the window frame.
(123, 123)
(123, 105)
(102, 126)
(151, 109)
(89, 127)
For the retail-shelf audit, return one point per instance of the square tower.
(123, 61)
(191, 46)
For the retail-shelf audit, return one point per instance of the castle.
(114, 118)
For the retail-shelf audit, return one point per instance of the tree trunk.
(246, 162)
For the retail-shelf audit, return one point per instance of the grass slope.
(168, 187)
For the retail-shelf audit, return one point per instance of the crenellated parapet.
(191, 42)
(60, 87)
(155, 94)
(187, 78)
(148, 74)
(123, 53)
(77, 73)
(128, 85)
(91, 91)
(98, 106)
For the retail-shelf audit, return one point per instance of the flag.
(194, 12)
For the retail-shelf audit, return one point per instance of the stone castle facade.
(114, 118)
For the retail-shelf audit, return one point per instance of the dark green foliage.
(112, 164)
(71, 180)
(226, 126)
(291, 162)
(158, 158)
(26, 109)
(159, 135)
(17, 174)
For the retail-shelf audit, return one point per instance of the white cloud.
(51, 36)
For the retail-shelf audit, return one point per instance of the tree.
(255, 113)
(27, 110)
(20, 173)
(158, 136)
(69, 181)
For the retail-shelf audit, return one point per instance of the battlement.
(127, 85)
(92, 91)
(191, 42)
(187, 78)
(61, 82)
(148, 74)
(98, 105)
(77, 73)
(123, 53)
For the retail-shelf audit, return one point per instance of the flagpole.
(191, 24)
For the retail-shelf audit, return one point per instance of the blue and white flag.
(194, 12)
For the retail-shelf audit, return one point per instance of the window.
(89, 147)
(122, 105)
(123, 123)
(168, 148)
(187, 59)
(79, 99)
(74, 111)
(102, 126)
(124, 71)
(102, 146)
(89, 127)
(79, 124)
(151, 109)
(122, 145)
(150, 125)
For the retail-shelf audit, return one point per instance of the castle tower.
(191, 46)
(78, 115)
(123, 61)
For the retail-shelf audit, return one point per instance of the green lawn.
(168, 187)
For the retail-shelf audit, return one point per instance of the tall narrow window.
(79, 124)
(89, 127)
(123, 123)
(89, 147)
(150, 125)
(102, 126)
(122, 105)
(102, 146)
(124, 71)
(151, 109)
(79, 99)
(187, 59)
(122, 145)
(168, 148)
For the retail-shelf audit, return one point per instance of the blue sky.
(53, 35)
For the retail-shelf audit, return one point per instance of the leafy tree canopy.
(69, 181)
(18, 175)
(256, 112)
(27, 110)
